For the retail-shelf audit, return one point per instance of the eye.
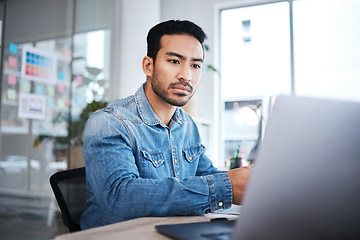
(174, 61)
(196, 66)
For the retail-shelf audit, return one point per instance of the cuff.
(220, 191)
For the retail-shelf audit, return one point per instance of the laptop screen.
(306, 179)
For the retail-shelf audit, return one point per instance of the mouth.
(182, 89)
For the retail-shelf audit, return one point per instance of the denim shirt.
(136, 166)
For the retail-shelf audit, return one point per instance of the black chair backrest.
(69, 188)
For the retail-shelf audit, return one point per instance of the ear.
(147, 65)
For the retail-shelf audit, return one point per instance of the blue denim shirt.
(136, 166)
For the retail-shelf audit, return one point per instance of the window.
(326, 48)
(255, 64)
(254, 38)
(258, 51)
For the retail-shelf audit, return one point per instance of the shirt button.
(190, 158)
(221, 204)
(175, 161)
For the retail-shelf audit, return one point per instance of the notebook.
(306, 179)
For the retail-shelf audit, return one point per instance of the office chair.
(69, 188)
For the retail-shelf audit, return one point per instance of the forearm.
(137, 197)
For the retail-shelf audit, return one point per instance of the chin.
(177, 103)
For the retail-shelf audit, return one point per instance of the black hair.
(171, 27)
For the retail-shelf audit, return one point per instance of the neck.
(162, 109)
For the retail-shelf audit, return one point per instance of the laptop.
(306, 179)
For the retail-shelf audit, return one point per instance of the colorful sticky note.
(12, 61)
(13, 49)
(39, 89)
(11, 79)
(50, 102)
(61, 76)
(51, 91)
(60, 103)
(11, 94)
(25, 86)
(60, 88)
(79, 80)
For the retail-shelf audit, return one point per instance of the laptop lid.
(306, 179)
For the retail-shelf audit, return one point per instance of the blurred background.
(61, 60)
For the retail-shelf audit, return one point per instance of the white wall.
(137, 17)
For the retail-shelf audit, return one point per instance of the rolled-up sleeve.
(220, 191)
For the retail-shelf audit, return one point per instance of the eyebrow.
(182, 57)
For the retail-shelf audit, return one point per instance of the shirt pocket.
(191, 154)
(152, 164)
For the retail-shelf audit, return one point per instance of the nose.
(185, 74)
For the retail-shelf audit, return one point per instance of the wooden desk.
(141, 228)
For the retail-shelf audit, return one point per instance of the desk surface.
(141, 228)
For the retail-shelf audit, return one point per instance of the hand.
(239, 178)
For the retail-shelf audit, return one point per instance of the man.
(143, 154)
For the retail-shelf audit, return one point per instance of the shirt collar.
(146, 112)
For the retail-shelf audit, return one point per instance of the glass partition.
(34, 112)
(54, 72)
(52, 79)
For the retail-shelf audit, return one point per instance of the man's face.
(177, 69)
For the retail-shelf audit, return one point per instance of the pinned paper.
(11, 79)
(13, 48)
(31, 106)
(25, 86)
(11, 94)
(38, 65)
(12, 61)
